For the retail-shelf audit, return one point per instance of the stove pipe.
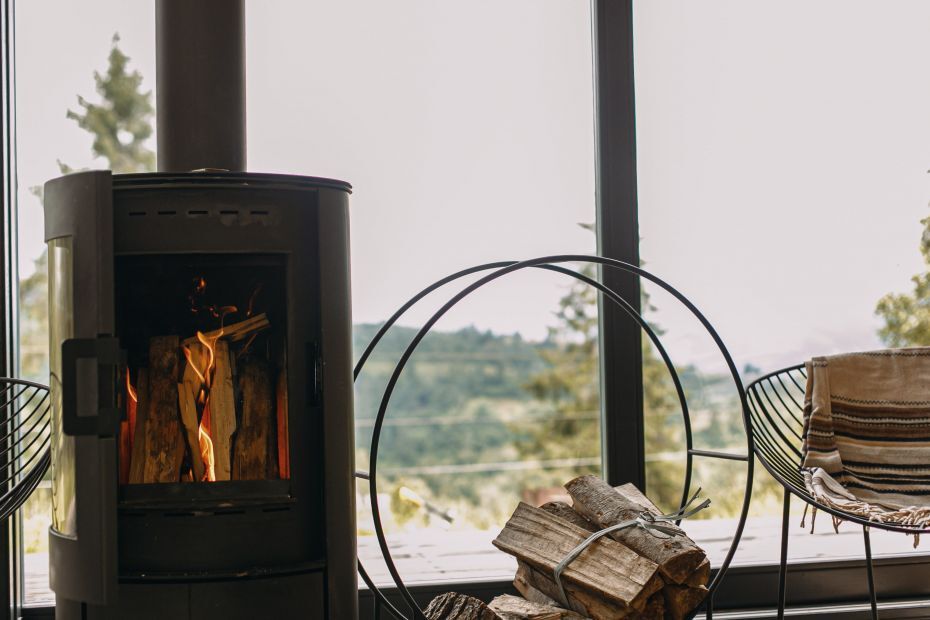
(200, 51)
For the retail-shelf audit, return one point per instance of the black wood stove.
(201, 366)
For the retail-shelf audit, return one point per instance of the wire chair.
(25, 451)
(776, 403)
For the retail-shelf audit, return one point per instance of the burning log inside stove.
(137, 448)
(223, 410)
(254, 456)
(164, 443)
(192, 400)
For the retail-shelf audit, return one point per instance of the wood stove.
(201, 377)
(200, 326)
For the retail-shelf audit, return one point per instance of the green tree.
(120, 123)
(906, 316)
(570, 387)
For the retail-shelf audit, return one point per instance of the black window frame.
(810, 583)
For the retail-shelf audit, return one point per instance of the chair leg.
(868, 567)
(783, 566)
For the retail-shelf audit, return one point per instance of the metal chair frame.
(25, 452)
(776, 403)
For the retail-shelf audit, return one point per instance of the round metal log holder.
(555, 264)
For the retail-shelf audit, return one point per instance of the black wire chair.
(25, 445)
(553, 264)
(776, 403)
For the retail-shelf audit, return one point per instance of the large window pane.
(59, 46)
(782, 179)
(467, 131)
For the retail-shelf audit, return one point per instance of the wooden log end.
(680, 601)
(455, 606)
(510, 607)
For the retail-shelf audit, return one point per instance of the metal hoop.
(550, 263)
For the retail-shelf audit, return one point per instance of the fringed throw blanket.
(866, 439)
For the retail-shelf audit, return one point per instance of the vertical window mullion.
(8, 549)
(618, 237)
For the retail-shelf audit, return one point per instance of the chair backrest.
(25, 438)
(776, 405)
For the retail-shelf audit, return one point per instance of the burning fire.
(205, 376)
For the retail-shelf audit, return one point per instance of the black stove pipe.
(200, 47)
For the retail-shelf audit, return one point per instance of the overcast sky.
(783, 147)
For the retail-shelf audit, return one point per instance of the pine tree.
(570, 389)
(120, 123)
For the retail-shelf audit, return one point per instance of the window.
(785, 197)
(467, 132)
(59, 45)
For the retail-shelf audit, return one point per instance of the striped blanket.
(866, 438)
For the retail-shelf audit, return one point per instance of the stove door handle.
(88, 386)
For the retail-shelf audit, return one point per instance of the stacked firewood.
(629, 573)
(204, 409)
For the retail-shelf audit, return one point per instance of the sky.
(782, 148)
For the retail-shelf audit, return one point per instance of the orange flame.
(131, 390)
(205, 375)
(206, 454)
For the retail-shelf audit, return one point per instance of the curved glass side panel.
(61, 327)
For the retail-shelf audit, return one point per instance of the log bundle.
(206, 408)
(629, 573)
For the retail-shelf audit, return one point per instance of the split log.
(137, 460)
(655, 609)
(510, 607)
(164, 440)
(222, 411)
(567, 513)
(454, 606)
(191, 429)
(539, 587)
(252, 456)
(678, 556)
(236, 331)
(681, 600)
(284, 455)
(701, 575)
(606, 570)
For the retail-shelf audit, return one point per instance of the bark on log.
(606, 569)
(222, 411)
(510, 607)
(137, 460)
(254, 450)
(677, 557)
(567, 513)
(537, 586)
(454, 606)
(679, 599)
(191, 429)
(164, 440)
